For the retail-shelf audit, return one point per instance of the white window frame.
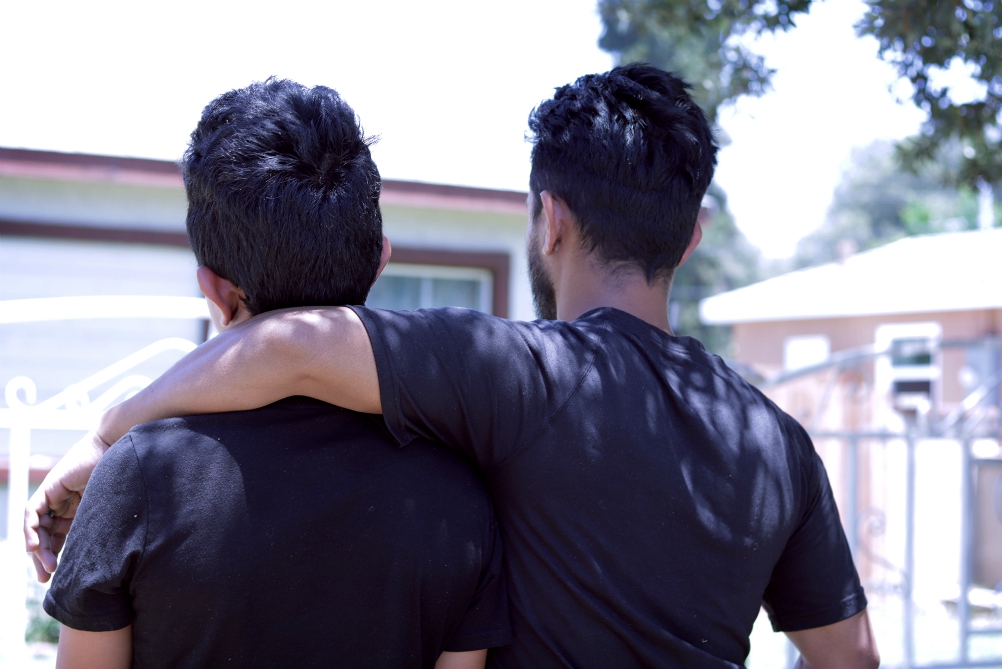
(428, 272)
(886, 374)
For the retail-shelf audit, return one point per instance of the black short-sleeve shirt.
(650, 500)
(297, 535)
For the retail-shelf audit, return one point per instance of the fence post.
(909, 580)
(15, 620)
(852, 496)
(966, 545)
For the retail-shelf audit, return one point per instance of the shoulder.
(469, 324)
(164, 439)
(120, 464)
(719, 394)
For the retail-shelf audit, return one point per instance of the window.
(909, 374)
(410, 286)
(910, 352)
(805, 351)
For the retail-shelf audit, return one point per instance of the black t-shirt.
(297, 535)
(650, 500)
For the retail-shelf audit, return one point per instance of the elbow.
(863, 659)
(866, 657)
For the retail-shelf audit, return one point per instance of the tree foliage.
(876, 203)
(698, 40)
(707, 42)
(921, 38)
(724, 260)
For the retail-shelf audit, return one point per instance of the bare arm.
(848, 644)
(94, 650)
(322, 353)
(471, 659)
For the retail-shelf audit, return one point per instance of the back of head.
(631, 155)
(283, 196)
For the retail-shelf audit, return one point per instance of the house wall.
(162, 209)
(57, 353)
(853, 404)
(761, 344)
(89, 225)
(44, 216)
(467, 231)
(93, 203)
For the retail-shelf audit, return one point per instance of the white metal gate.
(72, 409)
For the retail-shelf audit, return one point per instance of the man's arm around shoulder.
(94, 650)
(323, 353)
(847, 644)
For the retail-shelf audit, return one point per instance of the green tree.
(877, 202)
(706, 42)
(698, 40)
(724, 260)
(921, 38)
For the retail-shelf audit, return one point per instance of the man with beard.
(650, 500)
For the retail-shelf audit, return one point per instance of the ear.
(697, 236)
(384, 256)
(223, 295)
(556, 219)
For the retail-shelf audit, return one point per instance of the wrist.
(111, 427)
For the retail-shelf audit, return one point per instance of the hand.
(50, 511)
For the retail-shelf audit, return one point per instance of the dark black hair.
(631, 155)
(283, 196)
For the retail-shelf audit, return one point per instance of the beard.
(544, 297)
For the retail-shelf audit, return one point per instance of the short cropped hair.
(631, 155)
(283, 196)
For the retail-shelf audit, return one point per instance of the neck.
(585, 286)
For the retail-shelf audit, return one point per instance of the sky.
(446, 85)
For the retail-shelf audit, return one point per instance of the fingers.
(59, 527)
(51, 541)
(59, 495)
(51, 536)
(31, 521)
(42, 575)
(63, 505)
(57, 543)
(44, 556)
(44, 534)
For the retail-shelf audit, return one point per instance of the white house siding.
(112, 194)
(55, 354)
(453, 230)
(104, 205)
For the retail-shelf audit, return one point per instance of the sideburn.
(544, 296)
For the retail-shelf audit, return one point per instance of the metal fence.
(921, 502)
(71, 411)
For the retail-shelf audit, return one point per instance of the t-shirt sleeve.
(90, 589)
(486, 623)
(482, 385)
(815, 582)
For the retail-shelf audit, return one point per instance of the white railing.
(72, 409)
